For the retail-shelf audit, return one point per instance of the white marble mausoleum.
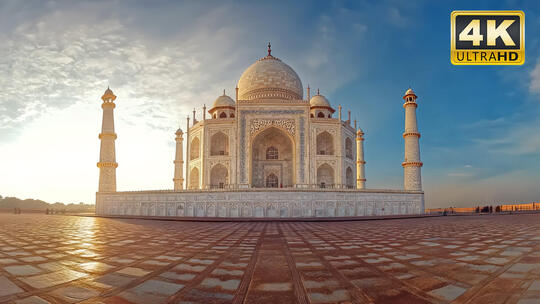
(269, 152)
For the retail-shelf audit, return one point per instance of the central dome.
(269, 78)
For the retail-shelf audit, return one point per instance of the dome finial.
(318, 92)
(269, 49)
(223, 92)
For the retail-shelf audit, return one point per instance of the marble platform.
(262, 203)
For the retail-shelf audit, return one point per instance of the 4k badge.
(487, 37)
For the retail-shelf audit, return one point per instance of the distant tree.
(17, 205)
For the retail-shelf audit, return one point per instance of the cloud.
(46, 65)
(395, 17)
(534, 85)
(518, 139)
(64, 56)
(487, 123)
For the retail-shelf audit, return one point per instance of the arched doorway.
(219, 176)
(349, 178)
(272, 152)
(325, 176)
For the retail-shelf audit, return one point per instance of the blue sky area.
(480, 125)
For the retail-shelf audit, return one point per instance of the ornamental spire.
(269, 49)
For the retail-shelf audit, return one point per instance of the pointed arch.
(195, 149)
(272, 151)
(325, 144)
(219, 144)
(325, 176)
(349, 179)
(348, 148)
(219, 176)
(194, 178)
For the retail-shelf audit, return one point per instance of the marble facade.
(267, 153)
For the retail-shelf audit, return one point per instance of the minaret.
(107, 157)
(179, 161)
(412, 164)
(360, 163)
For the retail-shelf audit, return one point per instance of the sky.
(480, 125)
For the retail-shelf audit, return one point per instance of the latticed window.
(272, 153)
(271, 181)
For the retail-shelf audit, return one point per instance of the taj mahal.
(270, 152)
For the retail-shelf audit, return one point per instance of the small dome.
(223, 101)
(179, 131)
(359, 132)
(319, 101)
(409, 92)
(108, 95)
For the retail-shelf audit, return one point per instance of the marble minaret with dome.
(270, 151)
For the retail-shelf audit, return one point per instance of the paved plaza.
(459, 259)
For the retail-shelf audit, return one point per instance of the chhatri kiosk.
(267, 153)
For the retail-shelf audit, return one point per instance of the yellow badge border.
(519, 13)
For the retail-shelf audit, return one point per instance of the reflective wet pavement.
(466, 259)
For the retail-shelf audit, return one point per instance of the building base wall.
(255, 203)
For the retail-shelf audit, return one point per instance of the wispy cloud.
(45, 66)
(395, 17)
(534, 85)
(65, 56)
